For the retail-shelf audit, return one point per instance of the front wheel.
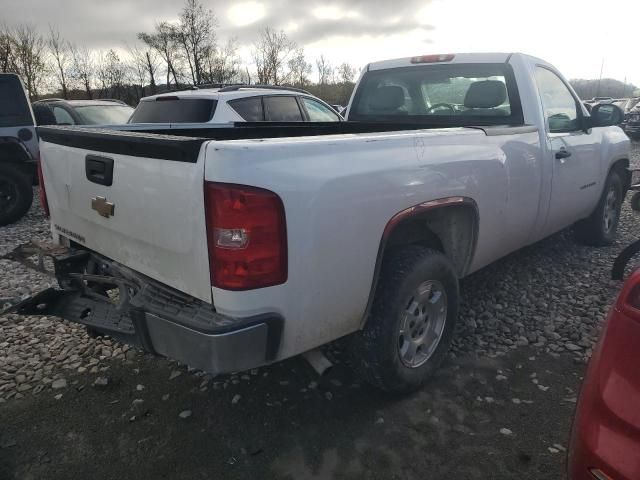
(412, 321)
(16, 194)
(600, 228)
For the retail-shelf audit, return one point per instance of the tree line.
(172, 56)
(187, 52)
(606, 87)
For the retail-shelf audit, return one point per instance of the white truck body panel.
(158, 228)
(335, 222)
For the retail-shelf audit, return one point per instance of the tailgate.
(135, 198)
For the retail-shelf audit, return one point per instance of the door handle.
(562, 154)
(99, 170)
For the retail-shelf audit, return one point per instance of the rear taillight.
(633, 299)
(246, 233)
(43, 192)
(629, 298)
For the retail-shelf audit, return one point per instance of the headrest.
(387, 98)
(485, 94)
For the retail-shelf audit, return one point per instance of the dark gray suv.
(18, 149)
(82, 112)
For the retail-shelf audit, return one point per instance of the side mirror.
(606, 115)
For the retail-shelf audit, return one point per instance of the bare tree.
(7, 60)
(61, 54)
(112, 75)
(271, 53)
(223, 64)
(164, 42)
(325, 70)
(30, 50)
(83, 68)
(299, 69)
(144, 66)
(196, 34)
(346, 73)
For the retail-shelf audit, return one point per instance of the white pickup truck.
(228, 248)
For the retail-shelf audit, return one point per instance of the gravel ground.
(549, 299)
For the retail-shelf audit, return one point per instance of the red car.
(605, 442)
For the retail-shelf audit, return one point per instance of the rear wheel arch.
(14, 152)
(622, 167)
(448, 225)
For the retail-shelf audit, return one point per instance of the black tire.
(16, 193)
(596, 230)
(376, 350)
(635, 202)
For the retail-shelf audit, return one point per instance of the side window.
(560, 108)
(282, 108)
(250, 108)
(62, 116)
(318, 112)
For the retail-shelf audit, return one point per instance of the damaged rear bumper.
(112, 299)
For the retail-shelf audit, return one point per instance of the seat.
(484, 96)
(388, 99)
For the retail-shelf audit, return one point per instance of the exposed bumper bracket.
(134, 309)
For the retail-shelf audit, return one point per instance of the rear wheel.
(16, 193)
(601, 226)
(412, 321)
(635, 201)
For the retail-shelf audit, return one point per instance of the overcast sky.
(575, 35)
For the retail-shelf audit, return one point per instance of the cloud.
(308, 22)
(245, 13)
(114, 23)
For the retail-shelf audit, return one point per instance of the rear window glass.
(282, 109)
(104, 114)
(14, 106)
(250, 108)
(174, 110)
(453, 94)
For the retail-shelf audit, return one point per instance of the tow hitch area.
(112, 299)
(88, 293)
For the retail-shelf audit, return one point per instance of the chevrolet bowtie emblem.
(104, 208)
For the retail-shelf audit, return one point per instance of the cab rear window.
(174, 110)
(446, 95)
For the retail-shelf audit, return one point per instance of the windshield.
(104, 114)
(456, 95)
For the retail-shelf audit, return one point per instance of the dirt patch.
(479, 418)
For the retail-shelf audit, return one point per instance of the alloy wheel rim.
(422, 323)
(610, 210)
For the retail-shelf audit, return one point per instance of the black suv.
(18, 149)
(81, 112)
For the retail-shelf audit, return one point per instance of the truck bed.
(182, 142)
